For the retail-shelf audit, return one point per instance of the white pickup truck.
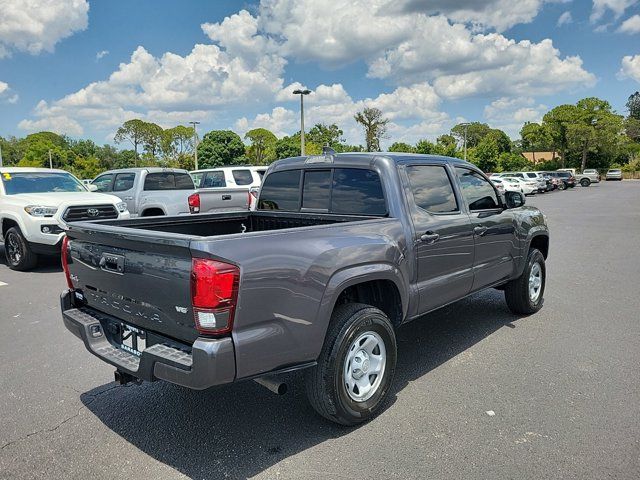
(35, 206)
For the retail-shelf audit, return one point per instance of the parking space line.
(2, 284)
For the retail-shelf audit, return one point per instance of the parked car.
(585, 178)
(150, 191)
(528, 187)
(538, 177)
(508, 185)
(614, 174)
(556, 179)
(37, 204)
(340, 253)
(225, 177)
(568, 179)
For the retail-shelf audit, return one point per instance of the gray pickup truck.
(341, 251)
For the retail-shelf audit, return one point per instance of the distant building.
(537, 157)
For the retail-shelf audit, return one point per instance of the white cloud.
(62, 125)
(630, 68)
(414, 112)
(565, 18)
(498, 14)
(101, 54)
(617, 7)
(631, 25)
(509, 114)
(36, 25)
(6, 94)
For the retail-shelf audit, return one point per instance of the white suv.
(35, 206)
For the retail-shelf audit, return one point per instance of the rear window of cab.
(345, 191)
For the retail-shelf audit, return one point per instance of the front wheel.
(585, 182)
(356, 365)
(18, 252)
(525, 294)
(562, 186)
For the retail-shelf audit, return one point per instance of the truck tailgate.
(140, 277)
(222, 199)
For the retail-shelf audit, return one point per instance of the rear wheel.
(356, 365)
(525, 294)
(562, 186)
(18, 252)
(585, 182)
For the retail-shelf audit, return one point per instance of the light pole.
(195, 143)
(465, 125)
(302, 93)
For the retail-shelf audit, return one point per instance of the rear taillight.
(64, 256)
(214, 291)
(194, 203)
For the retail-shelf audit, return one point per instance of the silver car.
(614, 174)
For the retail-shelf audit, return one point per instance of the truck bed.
(216, 224)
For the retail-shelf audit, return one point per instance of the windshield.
(40, 182)
(615, 170)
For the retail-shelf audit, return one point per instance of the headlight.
(122, 207)
(41, 211)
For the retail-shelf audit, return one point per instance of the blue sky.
(82, 68)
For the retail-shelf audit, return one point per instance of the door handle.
(128, 198)
(226, 197)
(429, 237)
(480, 230)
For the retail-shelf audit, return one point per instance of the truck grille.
(90, 212)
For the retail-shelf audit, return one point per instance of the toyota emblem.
(93, 212)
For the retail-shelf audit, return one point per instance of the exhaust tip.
(272, 384)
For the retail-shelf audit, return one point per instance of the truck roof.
(362, 159)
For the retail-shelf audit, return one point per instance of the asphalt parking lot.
(478, 392)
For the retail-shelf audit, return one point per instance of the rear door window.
(242, 177)
(357, 192)
(431, 187)
(281, 191)
(168, 181)
(123, 182)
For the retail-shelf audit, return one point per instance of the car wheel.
(562, 186)
(585, 182)
(356, 365)
(18, 252)
(525, 294)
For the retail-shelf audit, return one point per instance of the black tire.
(325, 383)
(516, 292)
(562, 186)
(18, 252)
(585, 182)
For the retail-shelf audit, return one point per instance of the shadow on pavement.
(46, 263)
(240, 430)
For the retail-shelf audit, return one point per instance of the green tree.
(375, 127)
(631, 128)
(558, 121)
(11, 150)
(633, 105)
(262, 150)
(133, 131)
(290, 147)
(595, 127)
(424, 146)
(509, 162)
(36, 147)
(476, 131)
(535, 137)
(326, 135)
(401, 147)
(218, 148)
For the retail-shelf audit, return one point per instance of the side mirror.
(92, 188)
(514, 199)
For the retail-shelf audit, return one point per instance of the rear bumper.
(211, 361)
